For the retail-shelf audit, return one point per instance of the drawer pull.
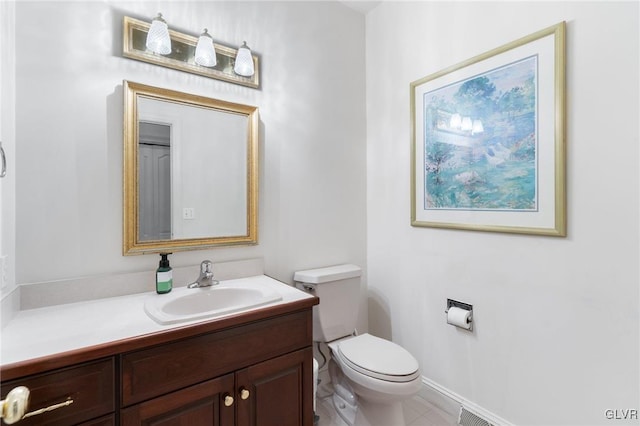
(244, 393)
(13, 408)
(49, 408)
(228, 401)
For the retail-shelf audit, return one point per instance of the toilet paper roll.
(459, 317)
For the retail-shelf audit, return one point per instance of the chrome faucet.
(206, 276)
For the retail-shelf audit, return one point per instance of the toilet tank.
(338, 288)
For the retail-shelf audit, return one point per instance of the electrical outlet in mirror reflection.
(188, 213)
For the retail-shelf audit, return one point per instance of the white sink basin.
(188, 304)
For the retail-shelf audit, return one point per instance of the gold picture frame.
(182, 55)
(488, 140)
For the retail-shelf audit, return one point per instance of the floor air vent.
(467, 418)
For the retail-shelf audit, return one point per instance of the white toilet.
(371, 376)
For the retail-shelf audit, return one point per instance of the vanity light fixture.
(244, 61)
(205, 51)
(466, 124)
(158, 39)
(154, 42)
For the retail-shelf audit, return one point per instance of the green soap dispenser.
(164, 275)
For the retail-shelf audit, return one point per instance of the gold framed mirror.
(190, 173)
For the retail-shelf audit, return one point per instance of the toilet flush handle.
(309, 288)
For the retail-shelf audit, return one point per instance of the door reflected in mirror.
(190, 171)
(154, 168)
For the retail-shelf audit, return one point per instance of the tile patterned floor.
(417, 412)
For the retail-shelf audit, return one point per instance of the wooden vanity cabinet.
(255, 374)
(265, 394)
(255, 370)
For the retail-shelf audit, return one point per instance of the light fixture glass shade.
(158, 39)
(466, 124)
(456, 121)
(244, 61)
(205, 51)
(477, 127)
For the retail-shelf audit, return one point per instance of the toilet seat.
(377, 358)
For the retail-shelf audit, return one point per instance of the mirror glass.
(190, 171)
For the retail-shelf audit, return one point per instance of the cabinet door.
(109, 420)
(198, 405)
(277, 392)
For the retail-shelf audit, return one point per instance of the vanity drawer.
(91, 386)
(109, 420)
(152, 372)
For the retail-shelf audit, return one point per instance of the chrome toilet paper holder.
(467, 307)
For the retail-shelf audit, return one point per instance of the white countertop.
(35, 333)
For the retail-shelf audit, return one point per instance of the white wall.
(69, 124)
(7, 136)
(572, 350)
(556, 339)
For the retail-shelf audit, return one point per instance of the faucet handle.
(206, 267)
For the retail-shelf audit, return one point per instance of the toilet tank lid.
(328, 274)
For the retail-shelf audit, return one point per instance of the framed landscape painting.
(488, 140)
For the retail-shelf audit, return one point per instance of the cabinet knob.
(13, 408)
(244, 393)
(228, 400)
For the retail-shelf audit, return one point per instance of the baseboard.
(450, 402)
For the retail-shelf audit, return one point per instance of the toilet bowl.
(370, 376)
(375, 376)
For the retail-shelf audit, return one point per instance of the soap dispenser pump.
(164, 275)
